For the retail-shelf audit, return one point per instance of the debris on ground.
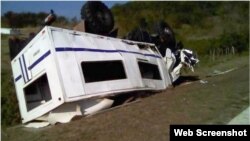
(203, 81)
(217, 72)
(37, 124)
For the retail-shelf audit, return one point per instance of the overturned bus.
(62, 73)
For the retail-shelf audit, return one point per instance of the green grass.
(9, 105)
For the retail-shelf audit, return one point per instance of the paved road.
(242, 118)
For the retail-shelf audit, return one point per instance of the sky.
(69, 9)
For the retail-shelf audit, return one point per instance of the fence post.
(233, 51)
(213, 57)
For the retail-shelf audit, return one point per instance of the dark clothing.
(139, 35)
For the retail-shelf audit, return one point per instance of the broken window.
(37, 93)
(103, 71)
(149, 71)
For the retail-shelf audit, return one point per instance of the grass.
(9, 104)
(10, 112)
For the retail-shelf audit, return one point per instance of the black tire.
(98, 18)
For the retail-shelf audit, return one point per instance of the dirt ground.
(215, 102)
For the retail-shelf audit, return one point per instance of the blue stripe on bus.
(18, 78)
(25, 68)
(39, 60)
(61, 49)
(22, 70)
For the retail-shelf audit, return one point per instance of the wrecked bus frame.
(65, 72)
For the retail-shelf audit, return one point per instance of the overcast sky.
(68, 9)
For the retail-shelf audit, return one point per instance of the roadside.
(217, 101)
(242, 118)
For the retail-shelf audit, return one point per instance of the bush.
(9, 104)
(240, 41)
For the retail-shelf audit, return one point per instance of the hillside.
(199, 25)
(185, 15)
